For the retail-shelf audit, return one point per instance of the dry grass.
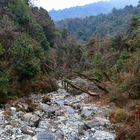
(104, 99)
(128, 123)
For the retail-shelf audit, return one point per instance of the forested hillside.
(111, 59)
(94, 77)
(103, 24)
(103, 7)
(114, 63)
(25, 48)
(30, 49)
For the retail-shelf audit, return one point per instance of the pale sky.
(61, 4)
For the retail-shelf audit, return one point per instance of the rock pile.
(64, 117)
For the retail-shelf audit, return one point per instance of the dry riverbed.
(62, 117)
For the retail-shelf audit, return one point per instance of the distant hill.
(91, 9)
(104, 24)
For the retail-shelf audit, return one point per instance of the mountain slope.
(103, 24)
(25, 39)
(90, 9)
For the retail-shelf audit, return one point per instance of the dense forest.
(30, 47)
(34, 55)
(114, 62)
(103, 24)
(27, 36)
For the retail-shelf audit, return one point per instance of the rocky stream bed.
(64, 117)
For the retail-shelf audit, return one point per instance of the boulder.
(87, 114)
(98, 122)
(32, 119)
(44, 107)
(27, 131)
(69, 110)
(103, 135)
(45, 136)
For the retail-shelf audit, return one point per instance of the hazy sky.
(61, 4)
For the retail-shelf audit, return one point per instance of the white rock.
(13, 109)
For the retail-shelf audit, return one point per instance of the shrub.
(97, 59)
(37, 33)
(120, 115)
(98, 74)
(122, 61)
(2, 50)
(27, 64)
(4, 84)
(129, 136)
(21, 11)
(117, 96)
(39, 84)
(46, 99)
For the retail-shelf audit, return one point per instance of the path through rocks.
(63, 117)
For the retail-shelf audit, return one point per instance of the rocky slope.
(59, 116)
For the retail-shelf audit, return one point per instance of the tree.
(4, 84)
(20, 10)
(134, 23)
(26, 61)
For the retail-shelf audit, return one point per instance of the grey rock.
(60, 102)
(73, 138)
(28, 131)
(68, 117)
(20, 114)
(24, 137)
(32, 119)
(39, 113)
(49, 110)
(44, 124)
(102, 135)
(82, 129)
(44, 107)
(1, 131)
(69, 110)
(87, 113)
(59, 112)
(22, 106)
(98, 122)
(39, 130)
(45, 136)
(59, 135)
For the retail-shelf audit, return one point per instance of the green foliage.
(84, 59)
(134, 41)
(122, 61)
(119, 42)
(98, 74)
(134, 23)
(4, 84)
(129, 136)
(104, 24)
(38, 34)
(97, 59)
(24, 46)
(44, 20)
(46, 99)
(21, 11)
(121, 115)
(26, 62)
(64, 33)
(2, 50)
